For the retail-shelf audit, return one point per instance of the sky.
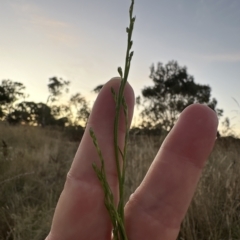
(84, 41)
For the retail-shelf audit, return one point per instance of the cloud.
(57, 31)
(24, 7)
(48, 23)
(232, 57)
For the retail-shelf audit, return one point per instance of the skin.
(156, 209)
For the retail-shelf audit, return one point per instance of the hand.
(158, 206)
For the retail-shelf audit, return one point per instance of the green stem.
(120, 97)
(117, 215)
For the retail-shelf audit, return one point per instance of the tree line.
(15, 109)
(173, 90)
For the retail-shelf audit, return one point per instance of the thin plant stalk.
(117, 214)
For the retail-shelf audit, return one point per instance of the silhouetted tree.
(173, 90)
(79, 109)
(56, 87)
(75, 112)
(31, 113)
(10, 92)
(44, 110)
(22, 113)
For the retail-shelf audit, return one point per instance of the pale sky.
(84, 41)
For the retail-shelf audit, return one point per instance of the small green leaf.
(120, 72)
(131, 54)
(114, 94)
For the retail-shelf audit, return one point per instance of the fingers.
(80, 212)
(157, 208)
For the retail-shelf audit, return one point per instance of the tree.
(10, 92)
(31, 113)
(76, 111)
(174, 89)
(52, 113)
(22, 113)
(79, 109)
(56, 87)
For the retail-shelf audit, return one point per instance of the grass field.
(34, 163)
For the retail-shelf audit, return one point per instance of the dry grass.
(34, 163)
(32, 174)
(215, 211)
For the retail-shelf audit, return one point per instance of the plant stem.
(117, 215)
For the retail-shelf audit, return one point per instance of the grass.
(116, 213)
(33, 172)
(215, 211)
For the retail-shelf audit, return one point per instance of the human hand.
(158, 206)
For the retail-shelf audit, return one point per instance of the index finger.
(80, 212)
